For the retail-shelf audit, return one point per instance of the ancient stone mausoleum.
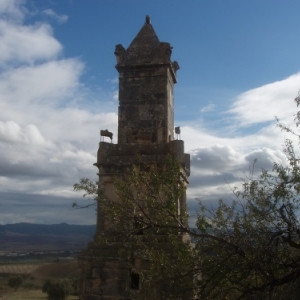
(145, 135)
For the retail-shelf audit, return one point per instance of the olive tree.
(15, 282)
(57, 289)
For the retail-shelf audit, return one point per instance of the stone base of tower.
(106, 276)
(103, 275)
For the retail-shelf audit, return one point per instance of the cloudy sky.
(240, 66)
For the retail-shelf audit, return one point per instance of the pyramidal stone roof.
(146, 36)
(145, 49)
(144, 46)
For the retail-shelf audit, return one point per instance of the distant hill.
(22, 237)
(58, 229)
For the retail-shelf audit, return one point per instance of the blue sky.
(239, 68)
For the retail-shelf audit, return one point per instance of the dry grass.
(63, 269)
(17, 268)
(35, 275)
(24, 295)
(28, 295)
(43, 271)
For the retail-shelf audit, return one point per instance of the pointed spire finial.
(148, 21)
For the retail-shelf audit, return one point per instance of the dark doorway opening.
(135, 281)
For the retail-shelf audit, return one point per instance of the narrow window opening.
(138, 225)
(135, 281)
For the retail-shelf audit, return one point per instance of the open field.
(42, 270)
(34, 276)
(21, 269)
(28, 295)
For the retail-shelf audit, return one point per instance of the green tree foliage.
(15, 282)
(151, 223)
(255, 240)
(248, 249)
(57, 289)
(152, 216)
(90, 191)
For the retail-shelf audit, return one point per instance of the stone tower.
(145, 135)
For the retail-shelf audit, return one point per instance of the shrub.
(57, 289)
(29, 285)
(15, 282)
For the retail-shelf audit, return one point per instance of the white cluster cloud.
(264, 103)
(20, 43)
(223, 159)
(59, 18)
(26, 44)
(47, 140)
(12, 132)
(12, 10)
(207, 108)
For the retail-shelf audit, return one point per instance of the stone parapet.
(129, 154)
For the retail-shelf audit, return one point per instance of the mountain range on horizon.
(59, 228)
(21, 237)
